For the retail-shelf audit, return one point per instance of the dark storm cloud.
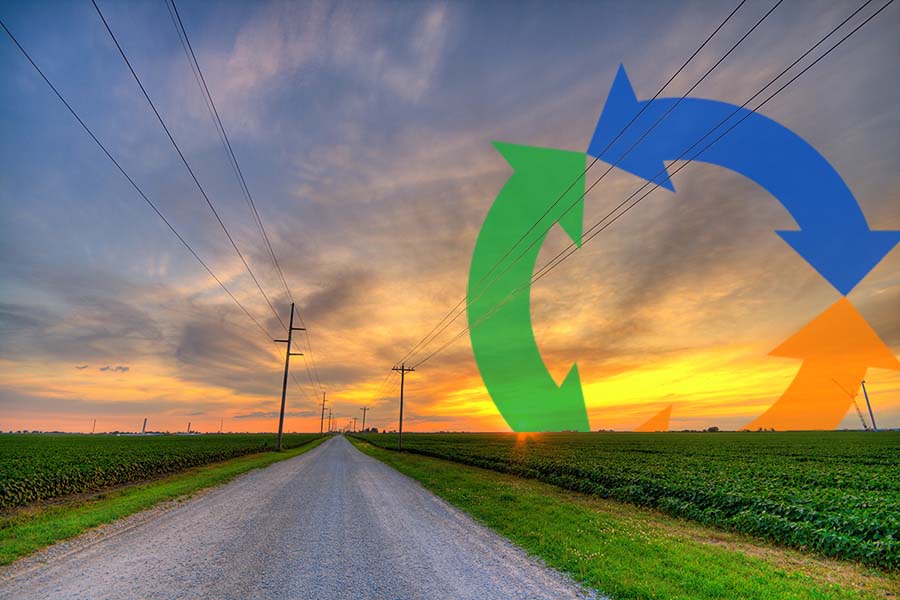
(336, 303)
(334, 374)
(18, 318)
(717, 224)
(90, 326)
(210, 353)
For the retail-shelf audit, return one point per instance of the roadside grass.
(630, 552)
(31, 528)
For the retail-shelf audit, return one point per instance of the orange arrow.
(836, 347)
(658, 422)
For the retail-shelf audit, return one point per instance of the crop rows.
(43, 466)
(835, 493)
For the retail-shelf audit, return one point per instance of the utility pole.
(94, 426)
(329, 420)
(221, 421)
(189, 427)
(354, 424)
(144, 426)
(403, 371)
(322, 421)
(869, 405)
(365, 409)
(287, 362)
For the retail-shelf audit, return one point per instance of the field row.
(835, 493)
(44, 466)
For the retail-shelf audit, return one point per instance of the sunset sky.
(364, 131)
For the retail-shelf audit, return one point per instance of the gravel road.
(330, 524)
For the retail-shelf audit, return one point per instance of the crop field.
(835, 493)
(43, 466)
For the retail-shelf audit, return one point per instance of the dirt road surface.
(330, 524)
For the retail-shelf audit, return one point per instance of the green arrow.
(502, 338)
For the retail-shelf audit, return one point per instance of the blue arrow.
(834, 236)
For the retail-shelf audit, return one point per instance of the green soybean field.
(36, 467)
(833, 493)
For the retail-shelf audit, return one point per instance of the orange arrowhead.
(839, 335)
(836, 347)
(658, 422)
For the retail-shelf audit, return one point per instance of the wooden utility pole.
(354, 424)
(365, 409)
(322, 420)
(403, 371)
(329, 420)
(94, 426)
(287, 362)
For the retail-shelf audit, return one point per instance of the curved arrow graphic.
(837, 348)
(504, 345)
(834, 237)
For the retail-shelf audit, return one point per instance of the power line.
(186, 163)
(550, 265)
(235, 164)
(423, 341)
(220, 127)
(132, 182)
(581, 196)
(596, 229)
(383, 386)
(635, 118)
(137, 188)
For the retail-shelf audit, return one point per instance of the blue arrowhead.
(843, 259)
(834, 237)
(620, 108)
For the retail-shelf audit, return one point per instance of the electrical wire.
(186, 163)
(433, 334)
(235, 164)
(132, 182)
(600, 226)
(475, 296)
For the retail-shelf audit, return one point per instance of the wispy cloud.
(364, 131)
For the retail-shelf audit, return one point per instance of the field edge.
(30, 530)
(628, 551)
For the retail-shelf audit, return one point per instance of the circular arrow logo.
(638, 137)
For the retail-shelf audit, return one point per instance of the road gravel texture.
(331, 524)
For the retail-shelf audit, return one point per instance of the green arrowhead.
(502, 338)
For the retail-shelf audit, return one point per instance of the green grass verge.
(630, 552)
(31, 529)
